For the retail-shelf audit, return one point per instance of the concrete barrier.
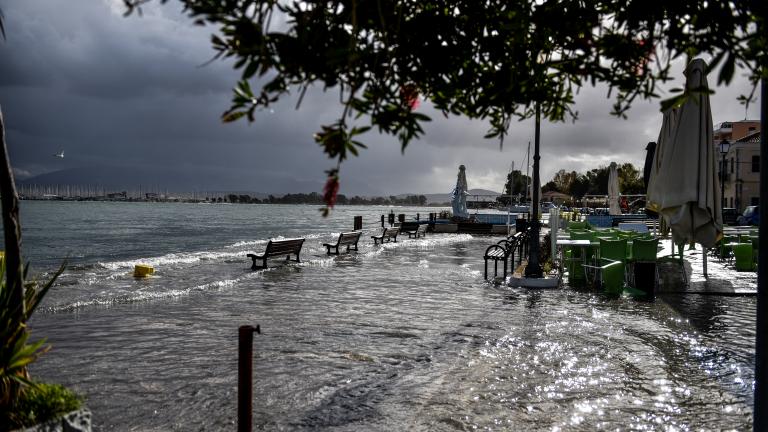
(502, 229)
(446, 228)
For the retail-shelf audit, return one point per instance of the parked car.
(751, 216)
(730, 216)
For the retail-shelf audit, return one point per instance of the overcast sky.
(132, 93)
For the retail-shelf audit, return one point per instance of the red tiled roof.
(754, 137)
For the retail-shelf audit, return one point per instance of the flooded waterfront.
(405, 336)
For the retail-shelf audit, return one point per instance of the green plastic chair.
(610, 269)
(644, 251)
(725, 251)
(576, 257)
(577, 226)
(742, 254)
(612, 276)
(755, 247)
(615, 250)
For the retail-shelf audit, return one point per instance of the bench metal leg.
(255, 267)
(486, 269)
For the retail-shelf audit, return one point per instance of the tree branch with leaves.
(494, 60)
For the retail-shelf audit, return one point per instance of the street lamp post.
(724, 146)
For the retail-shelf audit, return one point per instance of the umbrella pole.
(761, 344)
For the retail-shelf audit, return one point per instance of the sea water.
(404, 336)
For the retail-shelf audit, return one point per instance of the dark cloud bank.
(131, 103)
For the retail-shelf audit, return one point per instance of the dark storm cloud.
(131, 93)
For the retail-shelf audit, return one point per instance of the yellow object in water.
(143, 270)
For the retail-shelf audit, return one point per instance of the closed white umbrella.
(683, 187)
(613, 190)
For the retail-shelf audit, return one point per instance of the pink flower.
(409, 94)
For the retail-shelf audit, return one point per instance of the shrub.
(39, 403)
(15, 351)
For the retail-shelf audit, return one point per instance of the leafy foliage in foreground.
(16, 352)
(39, 403)
(487, 59)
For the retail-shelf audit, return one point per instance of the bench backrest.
(282, 247)
(390, 232)
(409, 226)
(349, 238)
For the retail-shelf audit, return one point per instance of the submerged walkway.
(722, 278)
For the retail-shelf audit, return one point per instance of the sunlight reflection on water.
(405, 336)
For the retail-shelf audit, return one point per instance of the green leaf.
(726, 72)
(231, 116)
(250, 70)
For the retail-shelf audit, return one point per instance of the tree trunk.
(12, 230)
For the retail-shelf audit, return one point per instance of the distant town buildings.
(738, 148)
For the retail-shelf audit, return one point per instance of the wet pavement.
(721, 278)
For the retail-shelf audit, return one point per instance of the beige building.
(741, 162)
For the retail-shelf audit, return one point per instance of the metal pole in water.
(533, 269)
(245, 378)
(760, 408)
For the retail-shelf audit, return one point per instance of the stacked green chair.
(577, 256)
(742, 254)
(644, 251)
(612, 277)
(725, 251)
(613, 256)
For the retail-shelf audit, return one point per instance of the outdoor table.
(633, 226)
(573, 243)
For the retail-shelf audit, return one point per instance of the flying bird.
(60, 154)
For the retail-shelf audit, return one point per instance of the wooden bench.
(408, 227)
(421, 231)
(387, 235)
(347, 239)
(275, 248)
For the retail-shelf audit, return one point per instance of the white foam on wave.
(235, 250)
(171, 259)
(141, 296)
(424, 243)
